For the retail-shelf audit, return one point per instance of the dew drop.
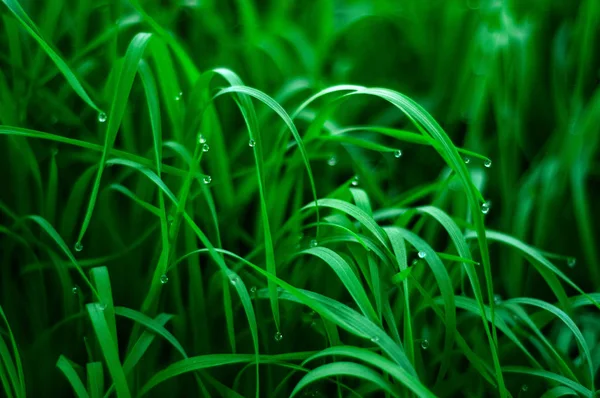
(398, 153)
(101, 306)
(251, 143)
(485, 207)
(253, 291)
(78, 247)
(164, 279)
(207, 179)
(332, 161)
(497, 299)
(314, 243)
(235, 280)
(425, 344)
(355, 181)
(205, 148)
(278, 337)
(75, 290)
(422, 254)
(487, 163)
(467, 160)
(375, 339)
(524, 387)
(571, 262)
(102, 117)
(179, 96)
(201, 139)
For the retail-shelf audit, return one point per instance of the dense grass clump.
(282, 198)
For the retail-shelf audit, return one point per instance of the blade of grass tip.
(101, 279)
(583, 346)
(95, 379)
(152, 325)
(134, 53)
(63, 246)
(127, 192)
(553, 377)
(17, 131)
(349, 369)
(109, 349)
(539, 258)
(32, 30)
(65, 366)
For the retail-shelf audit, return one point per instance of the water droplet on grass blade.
(524, 387)
(235, 280)
(422, 254)
(207, 179)
(251, 143)
(497, 299)
(179, 96)
(375, 339)
(314, 243)
(205, 148)
(75, 290)
(571, 262)
(201, 139)
(467, 160)
(102, 117)
(485, 207)
(78, 247)
(332, 161)
(355, 181)
(278, 337)
(397, 153)
(487, 163)
(164, 279)
(101, 306)
(253, 292)
(425, 344)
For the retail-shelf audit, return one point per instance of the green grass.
(299, 198)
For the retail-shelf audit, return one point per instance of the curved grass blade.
(65, 366)
(567, 321)
(377, 361)
(345, 369)
(109, 349)
(27, 23)
(553, 377)
(348, 278)
(126, 76)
